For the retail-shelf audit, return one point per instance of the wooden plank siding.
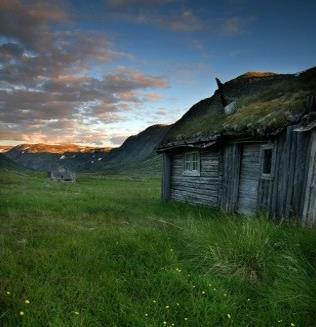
(284, 194)
(232, 176)
(250, 173)
(309, 211)
(230, 161)
(203, 189)
(165, 176)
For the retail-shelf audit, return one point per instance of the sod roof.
(263, 102)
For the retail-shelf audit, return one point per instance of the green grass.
(109, 249)
(262, 106)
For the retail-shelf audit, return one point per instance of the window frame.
(191, 171)
(265, 147)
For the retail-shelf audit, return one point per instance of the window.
(192, 163)
(267, 160)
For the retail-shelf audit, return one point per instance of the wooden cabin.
(249, 148)
(62, 174)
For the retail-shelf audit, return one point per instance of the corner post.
(166, 176)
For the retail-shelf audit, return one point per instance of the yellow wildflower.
(203, 292)
(165, 323)
(248, 300)
(229, 316)
(21, 313)
(154, 301)
(76, 313)
(292, 324)
(146, 314)
(185, 318)
(8, 292)
(27, 301)
(167, 307)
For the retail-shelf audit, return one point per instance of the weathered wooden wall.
(250, 173)
(201, 189)
(283, 195)
(165, 176)
(309, 211)
(231, 178)
(230, 161)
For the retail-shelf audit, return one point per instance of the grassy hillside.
(6, 163)
(108, 252)
(263, 102)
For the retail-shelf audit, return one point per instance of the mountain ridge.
(134, 150)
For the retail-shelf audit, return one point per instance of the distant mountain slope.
(44, 157)
(252, 104)
(5, 148)
(135, 150)
(56, 148)
(7, 163)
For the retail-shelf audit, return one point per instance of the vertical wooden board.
(249, 179)
(309, 213)
(166, 176)
(230, 177)
(289, 178)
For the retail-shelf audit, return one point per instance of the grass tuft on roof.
(264, 102)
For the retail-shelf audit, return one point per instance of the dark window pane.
(267, 161)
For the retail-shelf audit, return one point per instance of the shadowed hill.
(259, 104)
(136, 150)
(137, 147)
(7, 163)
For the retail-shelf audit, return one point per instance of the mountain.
(7, 163)
(5, 148)
(254, 103)
(56, 148)
(135, 150)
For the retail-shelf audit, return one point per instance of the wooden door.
(310, 194)
(249, 179)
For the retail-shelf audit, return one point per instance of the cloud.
(119, 4)
(152, 97)
(118, 139)
(29, 24)
(69, 102)
(46, 89)
(161, 112)
(236, 25)
(126, 79)
(179, 17)
(178, 21)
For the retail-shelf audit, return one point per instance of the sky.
(95, 72)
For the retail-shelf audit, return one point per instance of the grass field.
(107, 252)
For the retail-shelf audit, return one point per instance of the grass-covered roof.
(264, 102)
